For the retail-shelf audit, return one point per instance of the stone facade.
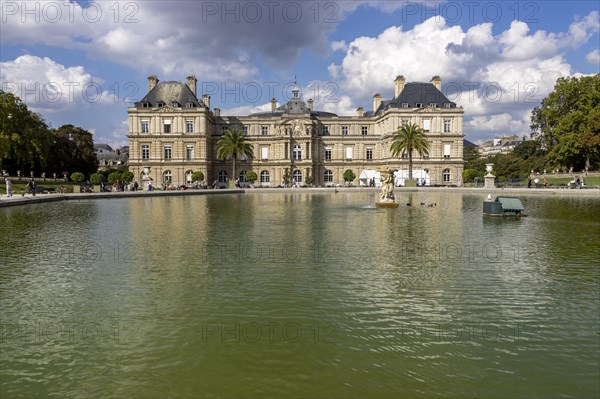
(172, 134)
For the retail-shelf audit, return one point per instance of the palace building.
(172, 133)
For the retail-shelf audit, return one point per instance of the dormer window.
(433, 105)
(145, 104)
(174, 104)
(447, 105)
(160, 104)
(404, 105)
(190, 105)
(419, 105)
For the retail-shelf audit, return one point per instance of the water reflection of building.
(173, 134)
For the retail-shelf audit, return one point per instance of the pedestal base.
(386, 204)
(490, 181)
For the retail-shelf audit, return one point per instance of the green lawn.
(20, 188)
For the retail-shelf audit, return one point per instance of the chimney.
(360, 111)
(217, 111)
(273, 105)
(399, 85)
(206, 100)
(310, 104)
(191, 82)
(376, 102)
(437, 82)
(152, 81)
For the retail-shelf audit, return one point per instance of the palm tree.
(407, 139)
(234, 143)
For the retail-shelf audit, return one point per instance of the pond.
(300, 294)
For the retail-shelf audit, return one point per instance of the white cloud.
(339, 45)
(499, 78)
(593, 57)
(47, 86)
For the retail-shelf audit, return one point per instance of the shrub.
(349, 175)
(97, 178)
(127, 177)
(78, 177)
(198, 176)
(113, 177)
(251, 177)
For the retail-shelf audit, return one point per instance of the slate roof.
(167, 92)
(416, 93)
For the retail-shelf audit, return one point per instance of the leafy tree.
(198, 176)
(286, 176)
(568, 122)
(24, 136)
(471, 154)
(469, 175)
(113, 177)
(251, 177)
(349, 176)
(234, 143)
(406, 140)
(310, 179)
(73, 148)
(127, 177)
(77, 177)
(529, 148)
(97, 178)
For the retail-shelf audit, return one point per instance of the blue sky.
(85, 63)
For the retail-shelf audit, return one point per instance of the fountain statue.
(386, 198)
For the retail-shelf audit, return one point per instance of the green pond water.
(304, 295)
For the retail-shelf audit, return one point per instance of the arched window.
(222, 177)
(297, 177)
(297, 152)
(167, 177)
(243, 177)
(446, 176)
(264, 177)
(188, 176)
(328, 176)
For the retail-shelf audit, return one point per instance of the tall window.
(297, 152)
(189, 126)
(222, 177)
(189, 152)
(349, 153)
(145, 126)
(167, 126)
(364, 130)
(328, 176)
(297, 176)
(264, 177)
(167, 177)
(369, 153)
(243, 176)
(245, 129)
(145, 151)
(188, 176)
(264, 153)
(426, 125)
(344, 130)
(404, 122)
(264, 130)
(168, 152)
(447, 125)
(325, 130)
(447, 150)
(328, 154)
(446, 176)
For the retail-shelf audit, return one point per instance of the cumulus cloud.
(593, 57)
(47, 86)
(339, 45)
(498, 78)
